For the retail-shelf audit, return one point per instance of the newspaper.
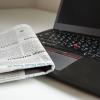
(22, 55)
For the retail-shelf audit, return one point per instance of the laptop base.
(83, 74)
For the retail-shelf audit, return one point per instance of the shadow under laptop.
(68, 90)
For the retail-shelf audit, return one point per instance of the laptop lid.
(80, 16)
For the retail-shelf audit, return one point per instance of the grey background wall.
(51, 5)
(16, 3)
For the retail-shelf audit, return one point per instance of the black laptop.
(74, 44)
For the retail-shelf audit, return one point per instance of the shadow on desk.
(48, 82)
(65, 88)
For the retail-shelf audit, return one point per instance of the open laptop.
(74, 44)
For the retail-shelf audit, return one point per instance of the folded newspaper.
(22, 55)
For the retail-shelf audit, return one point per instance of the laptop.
(74, 44)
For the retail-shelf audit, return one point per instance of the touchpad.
(61, 61)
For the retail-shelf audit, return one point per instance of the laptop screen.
(80, 16)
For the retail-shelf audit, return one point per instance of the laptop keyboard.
(83, 45)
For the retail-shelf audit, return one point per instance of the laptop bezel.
(74, 28)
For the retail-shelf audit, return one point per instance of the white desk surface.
(40, 88)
